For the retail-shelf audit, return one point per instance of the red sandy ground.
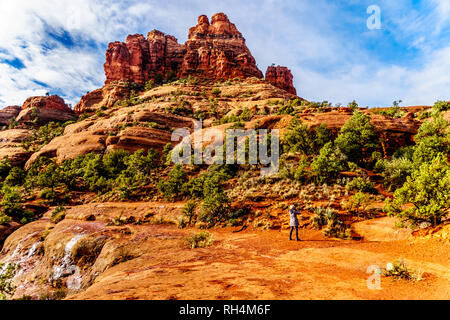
(266, 265)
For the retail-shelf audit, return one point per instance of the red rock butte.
(281, 77)
(214, 50)
(45, 109)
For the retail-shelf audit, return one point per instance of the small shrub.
(122, 220)
(15, 177)
(6, 276)
(4, 219)
(200, 240)
(202, 185)
(189, 212)
(181, 222)
(353, 167)
(396, 171)
(321, 217)
(440, 106)
(358, 203)
(404, 152)
(215, 208)
(58, 214)
(149, 85)
(235, 216)
(216, 92)
(160, 220)
(362, 184)
(398, 270)
(335, 228)
(327, 164)
(5, 167)
(140, 163)
(11, 206)
(286, 109)
(47, 231)
(115, 161)
(172, 187)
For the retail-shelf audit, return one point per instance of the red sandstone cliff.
(215, 50)
(281, 77)
(218, 51)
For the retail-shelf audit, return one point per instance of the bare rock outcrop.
(215, 50)
(218, 51)
(9, 113)
(45, 109)
(10, 145)
(281, 77)
(108, 134)
(135, 138)
(69, 147)
(106, 96)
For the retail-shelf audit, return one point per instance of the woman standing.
(294, 222)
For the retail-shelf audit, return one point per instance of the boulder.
(10, 145)
(103, 97)
(45, 109)
(69, 147)
(9, 113)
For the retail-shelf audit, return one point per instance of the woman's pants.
(296, 233)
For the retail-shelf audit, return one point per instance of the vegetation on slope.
(311, 156)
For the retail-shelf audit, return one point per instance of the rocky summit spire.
(215, 50)
(281, 77)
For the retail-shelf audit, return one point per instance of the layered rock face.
(218, 51)
(106, 96)
(148, 124)
(140, 59)
(10, 145)
(8, 113)
(46, 109)
(215, 50)
(104, 135)
(281, 77)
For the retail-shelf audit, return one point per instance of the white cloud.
(71, 70)
(443, 11)
(328, 62)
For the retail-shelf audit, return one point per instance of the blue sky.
(58, 46)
